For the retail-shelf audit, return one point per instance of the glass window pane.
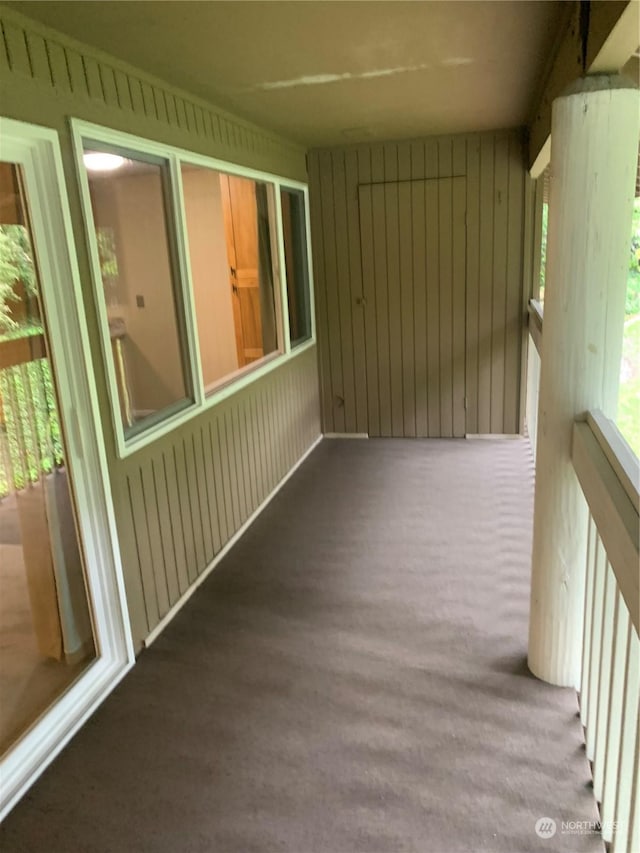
(543, 250)
(129, 198)
(296, 263)
(46, 635)
(230, 236)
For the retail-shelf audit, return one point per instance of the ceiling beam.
(612, 39)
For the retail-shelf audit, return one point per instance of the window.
(230, 235)
(67, 638)
(130, 196)
(45, 614)
(194, 263)
(294, 231)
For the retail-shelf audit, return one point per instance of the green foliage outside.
(16, 265)
(543, 249)
(628, 419)
(629, 397)
(30, 439)
(31, 431)
(107, 253)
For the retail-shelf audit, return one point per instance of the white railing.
(609, 475)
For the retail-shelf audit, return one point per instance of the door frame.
(37, 150)
(371, 313)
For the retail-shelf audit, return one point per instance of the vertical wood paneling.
(485, 314)
(186, 519)
(499, 289)
(380, 317)
(394, 303)
(171, 558)
(445, 321)
(59, 68)
(77, 74)
(458, 308)
(202, 498)
(332, 317)
(229, 462)
(436, 288)
(174, 512)
(368, 286)
(473, 283)
(222, 499)
(379, 343)
(407, 301)
(344, 289)
(433, 306)
(186, 500)
(124, 91)
(394, 287)
(109, 87)
(15, 39)
(94, 83)
(322, 323)
(151, 508)
(356, 291)
(143, 555)
(514, 314)
(39, 60)
(419, 276)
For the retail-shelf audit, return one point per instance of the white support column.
(594, 152)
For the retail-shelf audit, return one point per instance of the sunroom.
(319, 426)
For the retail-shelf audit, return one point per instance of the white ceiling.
(329, 72)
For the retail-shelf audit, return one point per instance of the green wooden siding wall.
(495, 170)
(179, 500)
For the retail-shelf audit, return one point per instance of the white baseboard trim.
(162, 624)
(492, 435)
(346, 435)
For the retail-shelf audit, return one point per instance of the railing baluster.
(15, 430)
(628, 744)
(596, 645)
(604, 681)
(609, 474)
(588, 614)
(29, 411)
(621, 629)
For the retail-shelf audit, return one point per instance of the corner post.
(594, 154)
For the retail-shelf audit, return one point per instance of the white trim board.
(346, 435)
(492, 436)
(228, 546)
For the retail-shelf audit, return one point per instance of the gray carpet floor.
(352, 677)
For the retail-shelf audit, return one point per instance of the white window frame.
(37, 151)
(294, 185)
(125, 446)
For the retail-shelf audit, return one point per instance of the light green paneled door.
(413, 246)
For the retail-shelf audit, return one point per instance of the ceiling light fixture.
(101, 161)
